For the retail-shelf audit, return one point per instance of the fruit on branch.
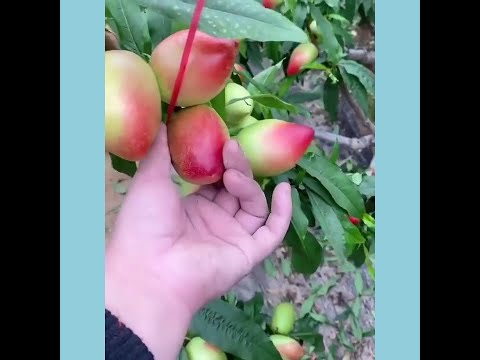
(242, 123)
(302, 55)
(272, 4)
(283, 319)
(354, 220)
(274, 146)
(239, 109)
(208, 69)
(315, 31)
(133, 110)
(196, 136)
(289, 348)
(199, 349)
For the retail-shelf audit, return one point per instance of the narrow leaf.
(367, 186)
(366, 77)
(299, 220)
(230, 329)
(159, 26)
(124, 166)
(343, 191)
(357, 89)
(330, 224)
(335, 152)
(330, 42)
(308, 256)
(358, 280)
(131, 23)
(267, 100)
(331, 98)
(245, 19)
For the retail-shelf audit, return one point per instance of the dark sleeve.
(121, 343)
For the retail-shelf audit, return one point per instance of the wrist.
(154, 315)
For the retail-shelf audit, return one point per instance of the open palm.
(198, 247)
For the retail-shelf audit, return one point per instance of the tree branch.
(364, 56)
(352, 143)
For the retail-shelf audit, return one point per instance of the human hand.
(168, 256)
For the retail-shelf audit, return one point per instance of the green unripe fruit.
(239, 109)
(283, 320)
(199, 349)
(243, 123)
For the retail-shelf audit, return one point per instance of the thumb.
(157, 163)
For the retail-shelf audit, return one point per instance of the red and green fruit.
(132, 105)
(302, 55)
(199, 349)
(272, 4)
(196, 136)
(289, 348)
(283, 319)
(274, 146)
(208, 69)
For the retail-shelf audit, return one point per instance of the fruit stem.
(186, 54)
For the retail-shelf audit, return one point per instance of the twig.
(362, 55)
(353, 143)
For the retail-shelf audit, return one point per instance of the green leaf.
(300, 14)
(357, 89)
(253, 308)
(330, 224)
(334, 4)
(350, 8)
(367, 187)
(319, 189)
(366, 77)
(307, 257)
(356, 329)
(265, 78)
(218, 103)
(331, 97)
(343, 191)
(300, 97)
(124, 166)
(230, 329)
(319, 317)
(307, 305)
(132, 25)
(267, 100)
(244, 19)
(307, 253)
(330, 42)
(357, 178)
(159, 26)
(338, 17)
(335, 152)
(358, 280)
(306, 329)
(291, 4)
(269, 268)
(286, 267)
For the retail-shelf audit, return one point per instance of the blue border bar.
(397, 74)
(82, 185)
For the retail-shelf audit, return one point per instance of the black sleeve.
(121, 343)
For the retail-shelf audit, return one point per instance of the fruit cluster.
(283, 323)
(135, 90)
